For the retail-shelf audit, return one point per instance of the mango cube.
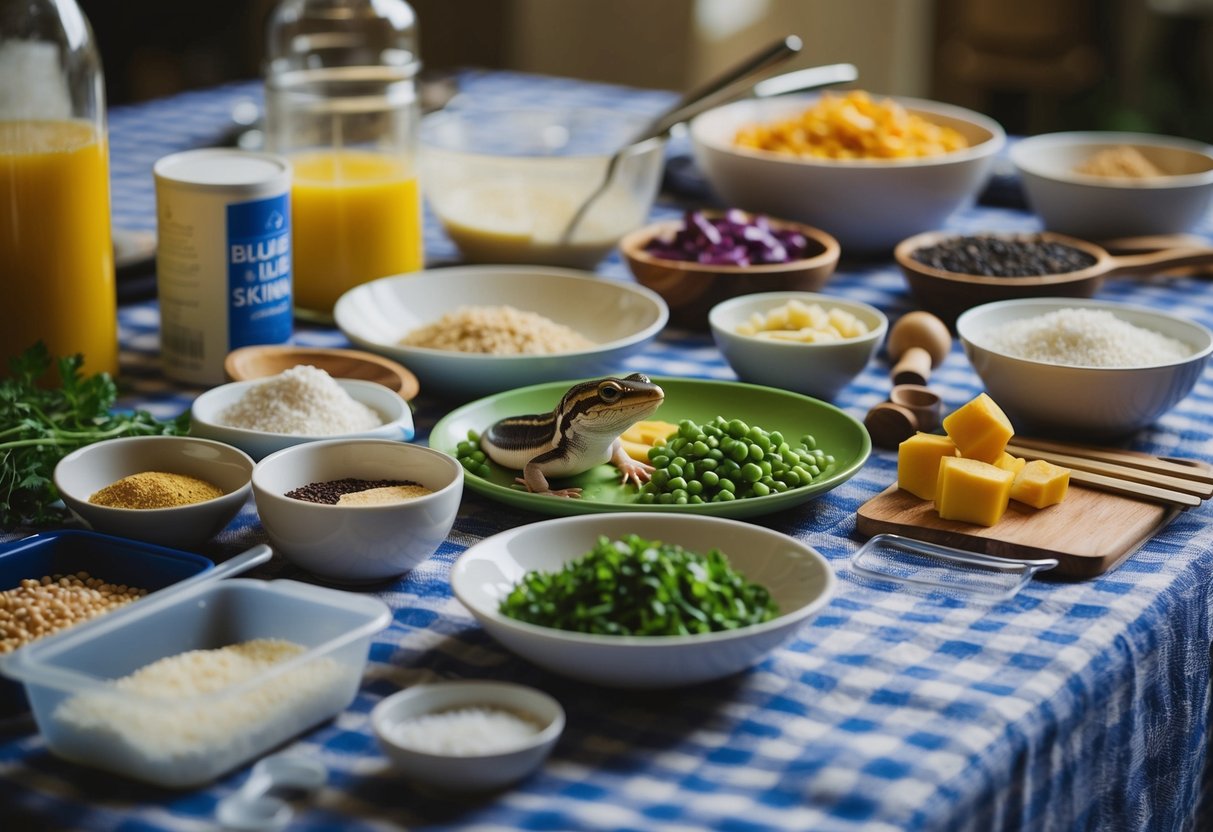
(980, 429)
(972, 491)
(1014, 464)
(1041, 484)
(918, 463)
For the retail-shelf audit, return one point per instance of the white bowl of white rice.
(471, 331)
(302, 404)
(1083, 368)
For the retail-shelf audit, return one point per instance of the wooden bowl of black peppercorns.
(948, 272)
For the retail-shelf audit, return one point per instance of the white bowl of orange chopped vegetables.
(869, 170)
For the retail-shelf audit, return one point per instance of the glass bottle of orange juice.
(56, 252)
(341, 104)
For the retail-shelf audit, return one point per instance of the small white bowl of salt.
(302, 404)
(468, 735)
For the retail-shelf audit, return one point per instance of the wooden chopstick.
(1134, 489)
(1150, 477)
(1130, 459)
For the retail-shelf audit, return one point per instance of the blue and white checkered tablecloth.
(1072, 706)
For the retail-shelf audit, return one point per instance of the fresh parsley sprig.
(39, 425)
(640, 587)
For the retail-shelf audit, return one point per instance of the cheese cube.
(918, 463)
(1041, 484)
(972, 491)
(980, 429)
(1014, 464)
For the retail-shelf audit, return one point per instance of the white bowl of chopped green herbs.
(638, 600)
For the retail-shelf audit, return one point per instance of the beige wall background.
(676, 44)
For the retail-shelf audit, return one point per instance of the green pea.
(706, 464)
(680, 493)
(688, 428)
(739, 452)
(483, 471)
(808, 441)
(681, 501)
(674, 470)
(473, 436)
(761, 490)
(478, 455)
(665, 499)
(791, 478)
(776, 439)
(660, 477)
(658, 459)
(464, 448)
(814, 471)
(647, 498)
(780, 487)
(694, 487)
(676, 484)
(716, 453)
(700, 448)
(723, 497)
(728, 485)
(709, 478)
(750, 472)
(756, 453)
(696, 500)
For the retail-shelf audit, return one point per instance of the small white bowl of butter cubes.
(806, 342)
(467, 735)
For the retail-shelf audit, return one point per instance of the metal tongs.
(724, 87)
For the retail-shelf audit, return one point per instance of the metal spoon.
(708, 94)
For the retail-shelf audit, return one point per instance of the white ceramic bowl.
(814, 369)
(799, 578)
(87, 470)
(1082, 401)
(868, 205)
(618, 316)
(207, 410)
(357, 544)
(473, 772)
(506, 182)
(1097, 207)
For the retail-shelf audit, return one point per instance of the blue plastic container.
(113, 559)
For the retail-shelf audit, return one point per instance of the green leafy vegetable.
(640, 587)
(41, 425)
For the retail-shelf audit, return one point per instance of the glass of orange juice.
(344, 111)
(56, 252)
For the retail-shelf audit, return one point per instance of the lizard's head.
(609, 405)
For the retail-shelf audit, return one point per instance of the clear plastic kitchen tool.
(254, 808)
(931, 568)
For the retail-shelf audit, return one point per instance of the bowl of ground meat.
(471, 331)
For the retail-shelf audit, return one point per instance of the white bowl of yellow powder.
(152, 487)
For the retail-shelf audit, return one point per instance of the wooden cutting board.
(1089, 533)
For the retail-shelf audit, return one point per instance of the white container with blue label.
(223, 257)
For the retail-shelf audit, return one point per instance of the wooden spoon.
(947, 294)
(270, 360)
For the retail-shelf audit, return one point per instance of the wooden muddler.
(917, 343)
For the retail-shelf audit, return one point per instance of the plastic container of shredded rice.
(262, 416)
(179, 690)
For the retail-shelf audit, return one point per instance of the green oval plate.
(698, 400)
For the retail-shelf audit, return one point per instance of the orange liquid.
(56, 253)
(356, 216)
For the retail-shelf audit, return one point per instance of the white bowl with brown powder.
(302, 404)
(474, 330)
(1083, 368)
(1079, 182)
(411, 496)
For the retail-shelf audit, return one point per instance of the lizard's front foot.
(633, 471)
(571, 493)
